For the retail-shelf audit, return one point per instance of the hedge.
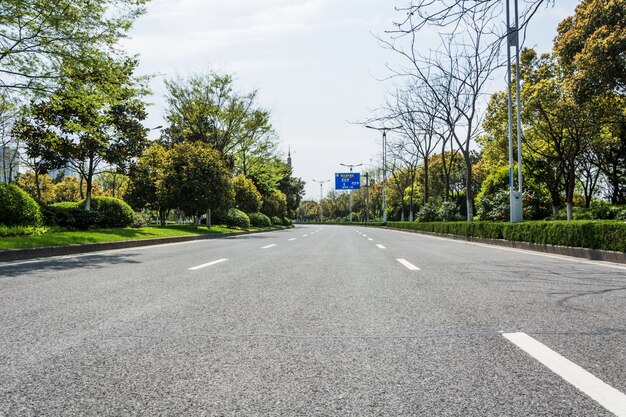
(237, 218)
(17, 208)
(593, 234)
(113, 211)
(259, 220)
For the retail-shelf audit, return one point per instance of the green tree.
(275, 204)
(293, 188)
(247, 198)
(590, 46)
(40, 187)
(93, 118)
(146, 188)
(68, 189)
(37, 37)
(197, 179)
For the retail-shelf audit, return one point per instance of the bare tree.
(455, 75)
(9, 144)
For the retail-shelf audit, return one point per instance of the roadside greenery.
(606, 235)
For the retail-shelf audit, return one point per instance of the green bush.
(219, 216)
(113, 211)
(237, 218)
(259, 220)
(428, 213)
(71, 215)
(17, 208)
(277, 221)
(22, 231)
(286, 221)
(139, 220)
(606, 235)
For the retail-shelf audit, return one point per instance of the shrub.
(22, 231)
(139, 220)
(449, 211)
(71, 215)
(277, 221)
(237, 218)
(113, 211)
(606, 235)
(259, 220)
(286, 221)
(17, 208)
(219, 216)
(428, 213)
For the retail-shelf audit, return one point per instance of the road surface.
(313, 321)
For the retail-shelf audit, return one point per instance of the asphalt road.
(313, 321)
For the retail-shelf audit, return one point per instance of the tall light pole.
(384, 130)
(321, 212)
(516, 207)
(351, 166)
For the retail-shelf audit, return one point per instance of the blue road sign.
(348, 181)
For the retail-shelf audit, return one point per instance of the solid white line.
(408, 264)
(268, 246)
(380, 246)
(293, 238)
(607, 396)
(207, 264)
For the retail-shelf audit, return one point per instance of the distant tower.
(289, 157)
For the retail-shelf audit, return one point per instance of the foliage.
(17, 208)
(428, 213)
(68, 189)
(591, 45)
(277, 221)
(275, 204)
(259, 220)
(113, 211)
(139, 220)
(449, 211)
(286, 221)
(38, 36)
(606, 235)
(14, 231)
(196, 179)
(71, 215)
(44, 192)
(237, 218)
(219, 216)
(94, 116)
(293, 188)
(247, 198)
(113, 183)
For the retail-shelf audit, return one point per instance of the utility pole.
(384, 130)
(321, 193)
(351, 166)
(516, 207)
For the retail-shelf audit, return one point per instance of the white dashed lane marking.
(268, 246)
(207, 264)
(604, 394)
(408, 264)
(380, 246)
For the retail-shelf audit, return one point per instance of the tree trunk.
(469, 195)
(37, 185)
(208, 218)
(426, 182)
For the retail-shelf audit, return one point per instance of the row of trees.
(451, 154)
(69, 97)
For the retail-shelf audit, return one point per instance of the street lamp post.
(321, 212)
(384, 130)
(516, 207)
(351, 166)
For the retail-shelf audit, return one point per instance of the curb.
(585, 253)
(8, 255)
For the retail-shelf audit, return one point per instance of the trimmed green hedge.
(593, 234)
(17, 208)
(259, 220)
(237, 218)
(375, 224)
(113, 211)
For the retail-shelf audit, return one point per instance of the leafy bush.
(277, 221)
(139, 220)
(428, 213)
(113, 211)
(219, 216)
(286, 221)
(17, 208)
(237, 218)
(449, 211)
(621, 214)
(71, 215)
(259, 220)
(606, 235)
(22, 231)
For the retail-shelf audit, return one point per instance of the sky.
(316, 64)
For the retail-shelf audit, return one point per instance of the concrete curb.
(586, 253)
(48, 251)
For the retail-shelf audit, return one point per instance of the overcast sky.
(316, 63)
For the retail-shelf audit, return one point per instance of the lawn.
(59, 237)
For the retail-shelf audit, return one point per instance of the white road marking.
(370, 239)
(304, 235)
(408, 264)
(364, 235)
(207, 264)
(293, 238)
(380, 246)
(268, 246)
(604, 394)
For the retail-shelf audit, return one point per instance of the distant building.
(66, 171)
(9, 164)
(289, 157)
